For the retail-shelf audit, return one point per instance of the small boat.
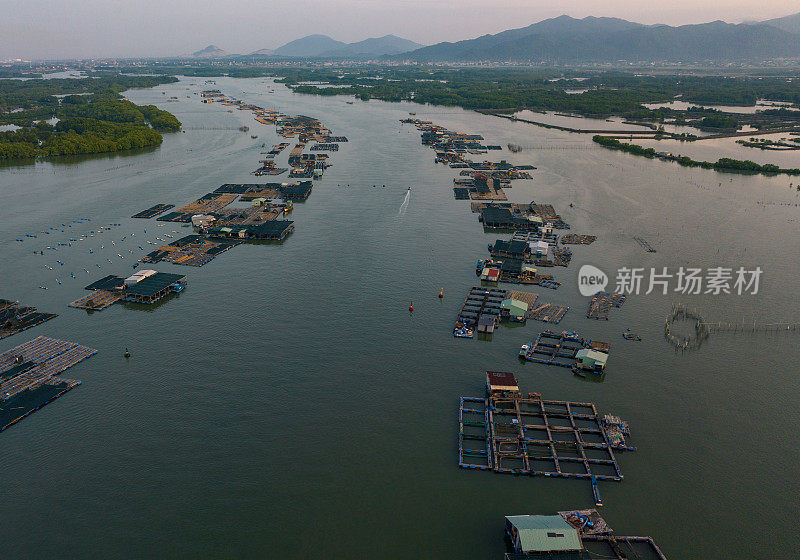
(463, 332)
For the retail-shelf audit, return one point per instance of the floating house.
(510, 249)
(501, 381)
(490, 274)
(539, 249)
(145, 286)
(591, 360)
(272, 230)
(202, 220)
(300, 191)
(514, 310)
(543, 534)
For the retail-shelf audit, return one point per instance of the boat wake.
(404, 206)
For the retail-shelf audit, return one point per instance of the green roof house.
(514, 309)
(542, 533)
(592, 360)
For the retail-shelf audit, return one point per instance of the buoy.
(411, 307)
(127, 353)
(441, 293)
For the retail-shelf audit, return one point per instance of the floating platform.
(613, 547)
(148, 289)
(97, 300)
(153, 211)
(28, 376)
(601, 303)
(461, 193)
(265, 170)
(325, 147)
(15, 318)
(274, 230)
(535, 236)
(575, 239)
(480, 312)
(514, 433)
(586, 522)
(548, 313)
(207, 204)
(191, 250)
(554, 349)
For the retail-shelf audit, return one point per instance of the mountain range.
(322, 46)
(566, 40)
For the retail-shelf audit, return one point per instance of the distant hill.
(388, 44)
(790, 24)
(565, 40)
(263, 52)
(322, 46)
(310, 46)
(210, 51)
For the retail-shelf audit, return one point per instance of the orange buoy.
(441, 293)
(411, 307)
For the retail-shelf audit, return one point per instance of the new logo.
(591, 280)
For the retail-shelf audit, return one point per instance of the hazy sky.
(95, 28)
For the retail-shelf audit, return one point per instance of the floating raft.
(554, 349)
(515, 433)
(28, 376)
(480, 310)
(325, 147)
(535, 236)
(16, 318)
(548, 313)
(580, 519)
(207, 204)
(147, 290)
(153, 211)
(601, 303)
(575, 239)
(97, 300)
(191, 250)
(614, 547)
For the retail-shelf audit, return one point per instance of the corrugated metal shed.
(515, 307)
(591, 357)
(544, 533)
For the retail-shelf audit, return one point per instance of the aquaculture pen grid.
(523, 434)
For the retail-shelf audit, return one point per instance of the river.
(287, 404)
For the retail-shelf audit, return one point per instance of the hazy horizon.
(45, 29)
